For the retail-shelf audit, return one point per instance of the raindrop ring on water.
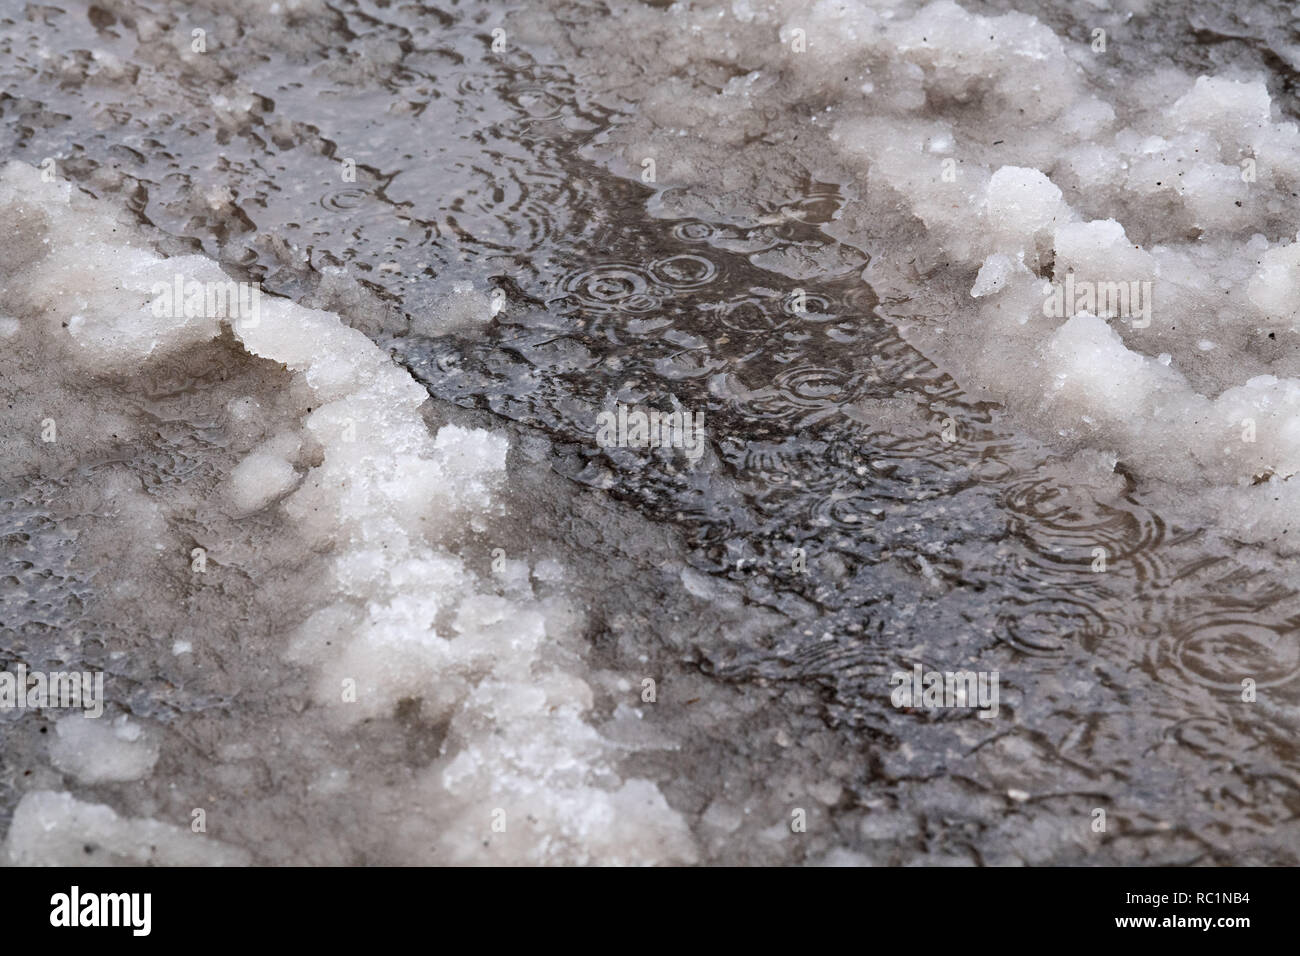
(684, 271)
(693, 231)
(1219, 654)
(613, 286)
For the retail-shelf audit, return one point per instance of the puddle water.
(850, 488)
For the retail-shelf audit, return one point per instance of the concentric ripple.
(1052, 626)
(1065, 525)
(693, 230)
(684, 271)
(346, 199)
(618, 286)
(1218, 653)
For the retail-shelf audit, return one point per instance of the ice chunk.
(55, 829)
(95, 750)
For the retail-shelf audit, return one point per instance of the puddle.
(853, 499)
